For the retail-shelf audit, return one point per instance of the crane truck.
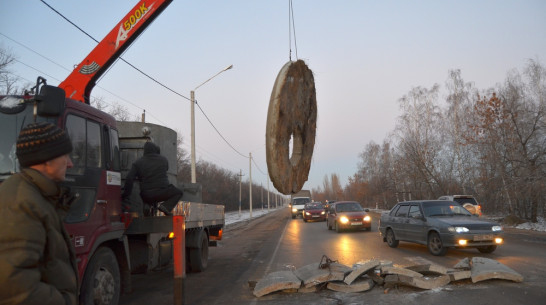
(110, 243)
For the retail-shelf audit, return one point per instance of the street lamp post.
(192, 96)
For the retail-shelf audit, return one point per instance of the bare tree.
(8, 81)
(419, 140)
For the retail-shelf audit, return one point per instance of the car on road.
(348, 215)
(439, 224)
(313, 211)
(467, 201)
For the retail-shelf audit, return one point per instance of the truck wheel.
(101, 281)
(199, 257)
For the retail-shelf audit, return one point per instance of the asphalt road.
(276, 242)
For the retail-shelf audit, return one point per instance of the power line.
(151, 78)
(219, 131)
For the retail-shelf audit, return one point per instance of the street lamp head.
(227, 68)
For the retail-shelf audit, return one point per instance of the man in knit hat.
(37, 259)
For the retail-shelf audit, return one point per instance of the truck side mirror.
(51, 101)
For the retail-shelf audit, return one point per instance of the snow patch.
(540, 225)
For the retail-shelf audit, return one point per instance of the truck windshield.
(301, 201)
(13, 116)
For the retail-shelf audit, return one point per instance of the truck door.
(94, 177)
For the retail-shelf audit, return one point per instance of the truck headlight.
(294, 210)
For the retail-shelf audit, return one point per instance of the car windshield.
(444, 209)
(348, 207)
(313, 206)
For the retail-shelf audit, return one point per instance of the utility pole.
(250, 180)
(240, 176)
(268, 193)
(262, 188)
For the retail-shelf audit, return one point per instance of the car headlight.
(307, 213)
(367, 218)
(458, 229)
(496, 228)
(322, 213)
(344, 219)
(294, 210)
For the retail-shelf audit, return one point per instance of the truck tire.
(101, 281)
(199, 257)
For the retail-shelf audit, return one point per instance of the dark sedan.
(439, 225)
(348, 215)
(313, 211)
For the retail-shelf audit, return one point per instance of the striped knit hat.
(41, 142)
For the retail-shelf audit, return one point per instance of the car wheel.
(487, 249)
(391, 239)
(338, 229)
(435, 245)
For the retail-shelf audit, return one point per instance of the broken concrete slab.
(427, 282)
(276, 281)
(400, 271)
(424, 266)
(359, 285)
(312, 275)
(338, 271)
(304, 289)
(463, 264)
(393, 280)
(360, 269)
(457, 275)
(486, 269)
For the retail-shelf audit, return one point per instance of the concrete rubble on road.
(366, 274)
(487, 269)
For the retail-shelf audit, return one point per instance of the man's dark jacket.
(37, 260)
(151, 170)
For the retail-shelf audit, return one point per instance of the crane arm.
(80, 82)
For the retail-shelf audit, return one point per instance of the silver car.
(439, 225)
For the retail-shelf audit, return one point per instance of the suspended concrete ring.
(292, 116)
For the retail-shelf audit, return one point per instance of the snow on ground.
(233, 217)
(236, 216)
(540, 225)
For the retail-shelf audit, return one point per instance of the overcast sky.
(365, 55)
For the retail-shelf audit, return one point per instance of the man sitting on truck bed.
(151, 170)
